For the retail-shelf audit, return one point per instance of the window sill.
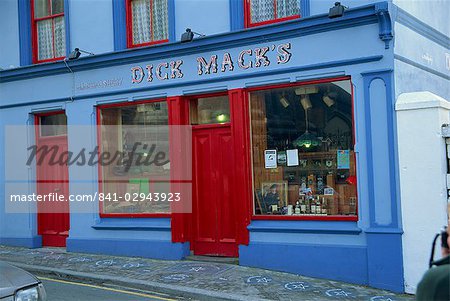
(324, 227)
(161, 224)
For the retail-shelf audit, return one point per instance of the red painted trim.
(303, 83)
(129, 27)
(247, 16)
(210, 126)
(129, 103)
(34, 39)
(99, 168)
(305, 218)
(134, 215)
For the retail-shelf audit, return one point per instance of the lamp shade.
(307, 140)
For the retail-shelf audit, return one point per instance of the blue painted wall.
(9, 37)
(422, 51)
(202, 16)
(433, 13)
(91, 25)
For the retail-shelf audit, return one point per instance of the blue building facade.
(365, 56)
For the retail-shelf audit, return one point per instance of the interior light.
(284, 102)
(222, 118)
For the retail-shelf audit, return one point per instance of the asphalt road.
(63, 290)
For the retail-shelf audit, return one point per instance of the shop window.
(147, 22)
(49, 33)
(302, 151)
(137, 182)
(261, 12)
(210, 110)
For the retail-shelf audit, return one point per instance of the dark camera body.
(444, 237)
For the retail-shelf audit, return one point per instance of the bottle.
(297, 208)
(313, 206)
(303, 206)
(324, 206)
(318, 206)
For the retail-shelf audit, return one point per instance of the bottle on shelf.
(297, 208)
(303, 206)
(318, 206)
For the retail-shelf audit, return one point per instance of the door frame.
(37, 132)
(240, 132)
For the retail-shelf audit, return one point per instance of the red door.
(52, 179)
(213, 204)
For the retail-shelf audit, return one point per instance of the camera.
(444, 237)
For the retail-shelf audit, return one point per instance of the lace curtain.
(150, 20)
(51, 32)
(264, 10)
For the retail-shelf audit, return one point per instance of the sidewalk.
(198, 280)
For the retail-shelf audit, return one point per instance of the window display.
(139, 178)
(302, 150)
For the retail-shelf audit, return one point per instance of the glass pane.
(160, 20)
(57, 7)
(303, 157)
(53, 125)
(262, 10)
(137, 132)
(45, 39)
(140, 11)
(286, 8)
(210, 110)
(60, 37)
(41, 8)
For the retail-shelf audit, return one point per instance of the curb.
(178, 290)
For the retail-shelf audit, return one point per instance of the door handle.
(57, 189)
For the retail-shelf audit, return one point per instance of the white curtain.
(286, 8)
(160, 20)
(264, 10)
(141, 21)
(60, 37)
(145, 28)
(45, 39)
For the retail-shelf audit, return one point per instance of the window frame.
(99, 167)
(129, 26)
(34, 35)
(248, 21)
(304, 217)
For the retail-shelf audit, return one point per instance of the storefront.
(281, 138)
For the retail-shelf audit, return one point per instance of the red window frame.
(248, 18)
(99, 167)
(312, 217)
(130, 27)
(34, 34)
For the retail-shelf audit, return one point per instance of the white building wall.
(422, 165)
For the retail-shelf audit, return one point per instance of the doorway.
(214, 204)
(52, 179)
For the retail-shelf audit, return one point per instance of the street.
(63, 290)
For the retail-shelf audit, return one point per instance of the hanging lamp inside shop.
(307, 139)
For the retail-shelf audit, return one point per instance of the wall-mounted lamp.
(336, 11)
(76, 53)
(188, 36)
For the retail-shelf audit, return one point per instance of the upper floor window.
(147, 22)
(49, 34)
(261, 12)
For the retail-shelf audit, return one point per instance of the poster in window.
(343, 159)
(274, 194)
